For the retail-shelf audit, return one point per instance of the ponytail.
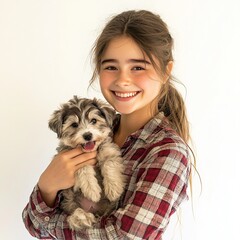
(171, 103)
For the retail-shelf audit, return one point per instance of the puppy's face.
(82, 122)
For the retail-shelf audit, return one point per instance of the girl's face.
(128, 80)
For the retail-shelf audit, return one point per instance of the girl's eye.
(137, 68)
(93, 121)
(74, 125)
(111, 68)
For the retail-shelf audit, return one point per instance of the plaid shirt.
(157, 166)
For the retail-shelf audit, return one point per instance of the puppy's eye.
(94, 121)
(74, 125)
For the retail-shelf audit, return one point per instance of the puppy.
(87, 124)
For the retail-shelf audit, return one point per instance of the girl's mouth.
(125, 95)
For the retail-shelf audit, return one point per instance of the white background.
(44, 61)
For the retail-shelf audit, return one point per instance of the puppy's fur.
(88, 123)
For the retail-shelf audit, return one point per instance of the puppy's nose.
(87, 136)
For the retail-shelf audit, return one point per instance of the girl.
(133, 60)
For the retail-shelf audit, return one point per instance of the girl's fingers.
(72, 153)
(84, 158)
(76, 158)
(91, 162)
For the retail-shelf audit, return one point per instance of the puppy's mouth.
(88, 146)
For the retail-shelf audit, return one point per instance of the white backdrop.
(44, 61)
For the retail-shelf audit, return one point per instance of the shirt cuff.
(39, 205)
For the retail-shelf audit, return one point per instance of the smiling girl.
(133, 61)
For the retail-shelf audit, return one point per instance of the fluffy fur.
(88, 123)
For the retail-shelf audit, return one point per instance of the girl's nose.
(123, 79)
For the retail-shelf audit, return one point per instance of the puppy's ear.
(55, 122)
(106, 110)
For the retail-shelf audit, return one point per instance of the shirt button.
(46, 219)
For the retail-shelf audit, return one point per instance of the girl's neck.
(130, 123)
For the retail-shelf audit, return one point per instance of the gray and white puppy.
(88, 123)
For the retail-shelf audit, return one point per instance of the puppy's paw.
(81, 219)
(93, 193)
(113, 191)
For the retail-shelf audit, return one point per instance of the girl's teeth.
(125, 95)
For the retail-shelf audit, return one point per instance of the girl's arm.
(157, 187)
(44, 201)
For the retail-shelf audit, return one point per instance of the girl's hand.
(60, 173)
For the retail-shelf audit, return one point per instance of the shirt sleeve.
(39, 219)
(160, 183)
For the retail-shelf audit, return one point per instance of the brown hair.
(150, 32)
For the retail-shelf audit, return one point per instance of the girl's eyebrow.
(109, 60)
(129, 61)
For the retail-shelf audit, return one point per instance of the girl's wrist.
(48, 195)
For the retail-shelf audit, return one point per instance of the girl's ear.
(168, 71)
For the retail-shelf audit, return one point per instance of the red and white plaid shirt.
(157, 167)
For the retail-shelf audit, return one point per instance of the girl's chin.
(124, 110)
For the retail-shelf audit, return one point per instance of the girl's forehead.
(126, 49)
(123, 47)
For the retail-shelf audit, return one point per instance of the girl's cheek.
(106, 77)
(140, 79)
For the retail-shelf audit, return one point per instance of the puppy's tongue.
(89, 146)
